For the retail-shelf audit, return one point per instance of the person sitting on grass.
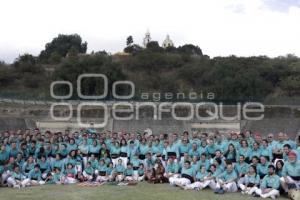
(88, 172)
(34, 177)
(128, 173)
(226, 181)
(16, 178)
(101, 172)
(186, 177)
(119, 170)
(69, 175)
(251, 181)
(269, 186)
(291, 172)
(202, 180)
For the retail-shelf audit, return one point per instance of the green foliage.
(98, 63)
(60, 46)
(129, 40)
(153, 69)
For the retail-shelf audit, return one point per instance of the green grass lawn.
(142, 191)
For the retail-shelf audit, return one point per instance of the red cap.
(292, 154)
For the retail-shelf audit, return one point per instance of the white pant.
(5, 175)
(28, 182)
(179, 181)
(119, 177)
(69, 180)
(114, 161)
(124, 161)
(198, 185)
(128, 178)
(272, 193)
(89, 177)
(290, 181)
(102, 178)
(11, 182)
(228, 187)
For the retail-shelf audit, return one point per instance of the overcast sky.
(219, 27)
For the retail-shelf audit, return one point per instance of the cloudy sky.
(219, 27)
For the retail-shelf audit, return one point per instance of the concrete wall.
(277, 118)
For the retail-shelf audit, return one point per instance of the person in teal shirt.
(291, 172)
(57, 163)
(4, 156)
(34, 177)
(101, 172)
(183, 147)
(115, 152)
(251, 181)
(204, 161)
(28, 165)
(44, 166)
(211, 148)
(16, 178)
(226, 181)
(262, 167)
(187, 176)
(201, 180)
(88, 172)
(241, 169)
(94, 148)
(172, 168)
(270, 185)
(245, 151)
(266, 150)
(128, 173)
(119, 171)
(194, 151)
(255, 150)
(71, 146)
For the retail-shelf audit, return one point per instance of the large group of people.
(224, 162)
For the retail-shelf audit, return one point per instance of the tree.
(133, 49)
(154, 46)
(291, 84)
(129, 41)
(61, 46)
(190, 49)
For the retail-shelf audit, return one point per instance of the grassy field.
(142, 191)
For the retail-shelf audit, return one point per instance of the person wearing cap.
(186, 177)
(291, 172)
(270, 185)
(226, 181)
